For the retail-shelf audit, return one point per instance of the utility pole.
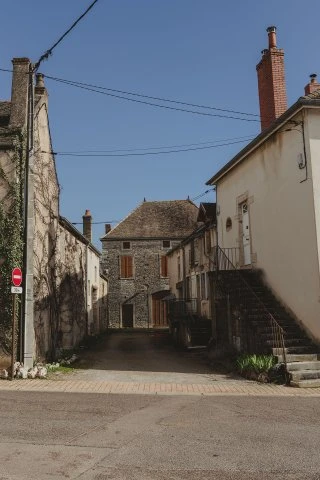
(28, 233)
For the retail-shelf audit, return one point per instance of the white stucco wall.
(93, 290)
(282, 216)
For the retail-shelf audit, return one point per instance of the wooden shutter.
(126, 266)
(164, 266)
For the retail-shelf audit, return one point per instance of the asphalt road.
(138, 437)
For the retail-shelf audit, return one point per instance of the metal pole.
(13, 349)
(27, 323)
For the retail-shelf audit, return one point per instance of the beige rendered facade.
(268, 207)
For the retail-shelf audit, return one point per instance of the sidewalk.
(237, 388)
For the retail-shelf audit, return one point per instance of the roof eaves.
(72, 229)
(264, 136)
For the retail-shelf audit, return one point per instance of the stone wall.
(136, 291)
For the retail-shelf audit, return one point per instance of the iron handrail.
(276, 329)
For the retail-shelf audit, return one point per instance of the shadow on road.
(151, 351)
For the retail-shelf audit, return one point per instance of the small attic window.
(166, 244)
(126, 245)
(228, 224)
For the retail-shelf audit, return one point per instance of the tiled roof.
(207, 212)
(163, 219)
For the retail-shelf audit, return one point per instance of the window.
(126, 266)
(179, 268)
(164, 266)
(166, 243)
(126, 245)
(228, 224)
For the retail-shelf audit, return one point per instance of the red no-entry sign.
(16, 277)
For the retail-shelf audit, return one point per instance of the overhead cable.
(50, 50)
(144, 102)
(70, 154)
(162, 99)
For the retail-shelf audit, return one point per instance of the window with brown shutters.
(126, 266)
(164, 266)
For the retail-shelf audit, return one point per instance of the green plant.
(255, 363)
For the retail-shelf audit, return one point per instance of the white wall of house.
(281, 215)
(93, 290)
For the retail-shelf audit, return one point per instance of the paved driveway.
(146, 358)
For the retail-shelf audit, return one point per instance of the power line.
(209, 142)
(96, 223)
(67, 154)
(105, 90)
(195, 112)
(162, 99)
(49, 52)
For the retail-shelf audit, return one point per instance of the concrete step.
(295, 350)
(307, 357)
(298, 375)
(298, 366)
(314, 383)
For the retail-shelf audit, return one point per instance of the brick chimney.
(313, 85)
(87, 225)
(19, 92)
(107, 228)
(271, 82)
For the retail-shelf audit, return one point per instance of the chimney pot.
(272, 36)
(312, 85)
(107, 228)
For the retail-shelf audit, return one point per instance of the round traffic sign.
(16, 277)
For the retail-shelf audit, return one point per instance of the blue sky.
(202, 52)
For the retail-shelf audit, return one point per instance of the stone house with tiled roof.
(134, 258)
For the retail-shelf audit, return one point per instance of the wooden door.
(127, 316)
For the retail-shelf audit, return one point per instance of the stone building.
(60, 308)
(134, 259)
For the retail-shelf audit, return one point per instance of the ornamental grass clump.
(256, 367)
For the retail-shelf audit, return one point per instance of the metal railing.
(223, 262)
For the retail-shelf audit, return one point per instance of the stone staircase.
(303, 360)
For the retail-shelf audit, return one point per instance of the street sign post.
(15, 289)
(16, 277)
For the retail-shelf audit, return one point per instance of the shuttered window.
(164, 266)
(126, 266)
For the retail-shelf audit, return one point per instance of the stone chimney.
(19, 92)
(271, 82)
(87, 225)
(107, 228)
(313, 85)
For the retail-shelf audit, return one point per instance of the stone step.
(314, 383)
(298, 375)
(296, 350)
(298, 366)
(293, 342)
(307, 357)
